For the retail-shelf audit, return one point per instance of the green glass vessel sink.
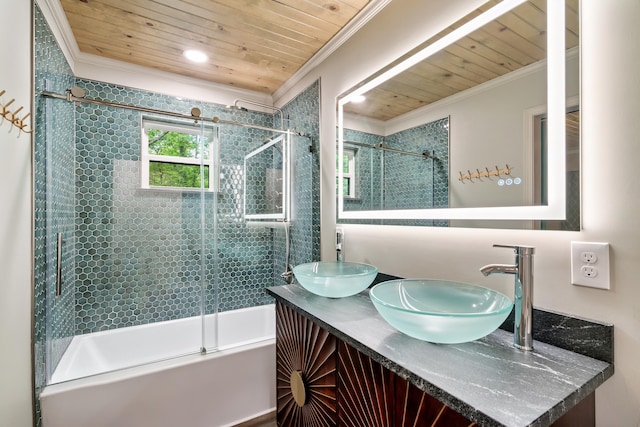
(440, 311)
(335, 279)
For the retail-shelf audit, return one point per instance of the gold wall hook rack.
(487, 173)
(13, 116)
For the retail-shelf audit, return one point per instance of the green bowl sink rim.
(370, 269)
(377, 300)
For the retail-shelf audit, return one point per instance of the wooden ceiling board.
(252, 44)
(573, 130)
(512, 41)
(259, 44)
(415, 84)
(190, 27)
(247, 81)
(147, 42)
(232, 28)
(170, 59)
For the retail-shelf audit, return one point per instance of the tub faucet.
(523, 295)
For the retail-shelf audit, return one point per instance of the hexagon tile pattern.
(139, 252)
(390, 188)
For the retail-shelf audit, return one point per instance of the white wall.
(15, 220)
(611, 205)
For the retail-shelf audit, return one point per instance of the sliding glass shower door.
(126, 221)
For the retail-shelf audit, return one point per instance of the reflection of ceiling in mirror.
(513, 41)
(573, 130)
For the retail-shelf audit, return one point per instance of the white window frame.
(212, 132)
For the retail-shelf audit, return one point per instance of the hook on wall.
(12, 116)
(486, 173)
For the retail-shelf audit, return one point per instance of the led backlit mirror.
(480, 109)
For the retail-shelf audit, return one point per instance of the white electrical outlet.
(590, 264)
(589, 271)
(589, 257)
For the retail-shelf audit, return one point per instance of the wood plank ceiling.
(514, 40)
(251, 44)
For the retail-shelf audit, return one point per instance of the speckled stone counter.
(488, 380)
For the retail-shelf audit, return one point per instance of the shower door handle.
(59, 265)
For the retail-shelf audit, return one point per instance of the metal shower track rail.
(76, 94)
(426, 154)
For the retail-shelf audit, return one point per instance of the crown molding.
(95, 67)
(363, 124)
(365, 15)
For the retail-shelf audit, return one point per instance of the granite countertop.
(487, 380)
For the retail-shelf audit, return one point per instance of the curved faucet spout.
(499, 268)
(523, 295)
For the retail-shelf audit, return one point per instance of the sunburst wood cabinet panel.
(365, 390)
(306, 372)
(416, 408)
(370, 395)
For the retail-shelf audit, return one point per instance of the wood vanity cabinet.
(322, 381)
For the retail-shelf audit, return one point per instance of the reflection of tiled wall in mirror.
(390, 180)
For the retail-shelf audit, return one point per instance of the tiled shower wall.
(133, 256)
(404, 182)
(139, 251)
(429, 185)
(54, 186)
(302, 114)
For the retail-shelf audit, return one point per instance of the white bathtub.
(222, 388)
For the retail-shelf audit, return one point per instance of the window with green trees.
(177, 154)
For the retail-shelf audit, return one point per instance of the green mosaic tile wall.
(132, 255)
(139, 251)
(303, 116)
(390, 189)
(433, 175)
(369, 175)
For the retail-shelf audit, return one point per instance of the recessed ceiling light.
(195, 55)
(358, 99)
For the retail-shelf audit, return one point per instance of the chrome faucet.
(523, 295)
(339, 244)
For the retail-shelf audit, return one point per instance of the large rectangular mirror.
(468, 126)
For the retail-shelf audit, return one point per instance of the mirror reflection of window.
(348, 173)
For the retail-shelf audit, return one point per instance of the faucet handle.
(519, 250)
